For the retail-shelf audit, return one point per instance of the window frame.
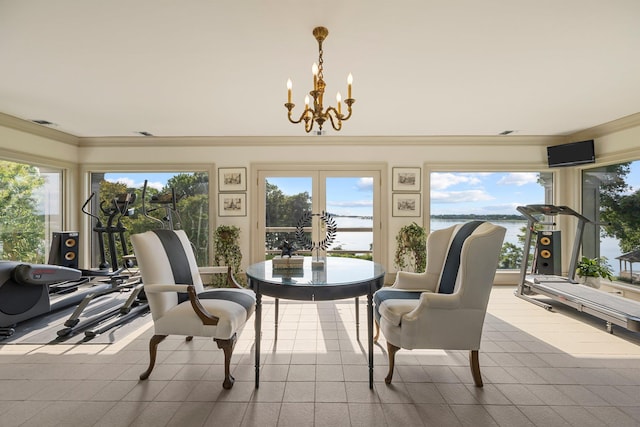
(503, 276)
(87, 170)
(591, 240)
(323, 170)
(64, 169)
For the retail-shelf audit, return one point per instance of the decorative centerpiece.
(305, 242)
(287, 260)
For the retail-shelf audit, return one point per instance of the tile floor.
(540, 368)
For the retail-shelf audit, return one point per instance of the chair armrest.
(203, 314)
(433, 301)
(231, 280)
(156, 289)
(414, 281)
(206, 317)
(213, 269)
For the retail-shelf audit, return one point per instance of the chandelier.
(315, 112)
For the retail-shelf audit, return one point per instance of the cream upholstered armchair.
(179, 305)
(444, 307)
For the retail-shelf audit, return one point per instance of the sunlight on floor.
(570, 335)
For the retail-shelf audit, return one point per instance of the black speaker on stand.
(548, 257)
(64, 249)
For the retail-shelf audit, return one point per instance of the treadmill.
(611, 308)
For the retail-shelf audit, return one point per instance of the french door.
(300, 206)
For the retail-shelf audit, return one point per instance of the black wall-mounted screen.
(575, 153)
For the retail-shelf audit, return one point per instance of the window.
(177, 200)
(349, 196)
(458, 197)
(611, 198)
(31, 209)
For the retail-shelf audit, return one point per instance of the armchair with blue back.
(444, 307)
(179, 304)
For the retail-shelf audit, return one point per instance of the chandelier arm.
(302, 116)
(349, 102)
(295, 121)
(308, 122)
(338, 118)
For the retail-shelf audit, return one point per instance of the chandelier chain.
(320, 61)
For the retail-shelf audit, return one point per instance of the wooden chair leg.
(474, 363)
(377, 334)
(392, 350)
(227, 346)
(153, 350)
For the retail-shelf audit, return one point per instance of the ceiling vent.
(44, 122)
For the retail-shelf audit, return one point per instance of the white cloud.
(122, 180)
(130, 183)
(519, 178)
(460, 196)
(442, 180)
(156, 185)
(350, 204)
(365, 184)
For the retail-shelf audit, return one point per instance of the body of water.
(362, 240)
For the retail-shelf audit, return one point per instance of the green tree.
(283, 211)
(510, 256)
(189, 184)
(192, 193)
(623, 221)
(21, 225)
(194, 219)
(619, 207)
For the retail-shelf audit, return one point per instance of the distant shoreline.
(492, 217)
(449, 217)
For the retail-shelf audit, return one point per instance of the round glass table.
(338, 278)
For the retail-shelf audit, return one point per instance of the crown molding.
(38, 130)
(604, 129)
(236, 141)
(22, 125)
(34, 159)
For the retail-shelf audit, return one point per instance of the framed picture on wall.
(232, 204)
(406, 204)
(406, 179)
(232, 179)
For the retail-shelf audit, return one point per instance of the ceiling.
(219, 68)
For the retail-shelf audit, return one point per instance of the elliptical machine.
(111, 316)
(119, 207)
(171, 219)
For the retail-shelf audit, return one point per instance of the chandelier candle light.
(316, 113)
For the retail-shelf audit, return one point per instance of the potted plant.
(411, 249)
(226, 241)
(591, 269)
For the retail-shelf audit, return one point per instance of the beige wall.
(509, 153)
